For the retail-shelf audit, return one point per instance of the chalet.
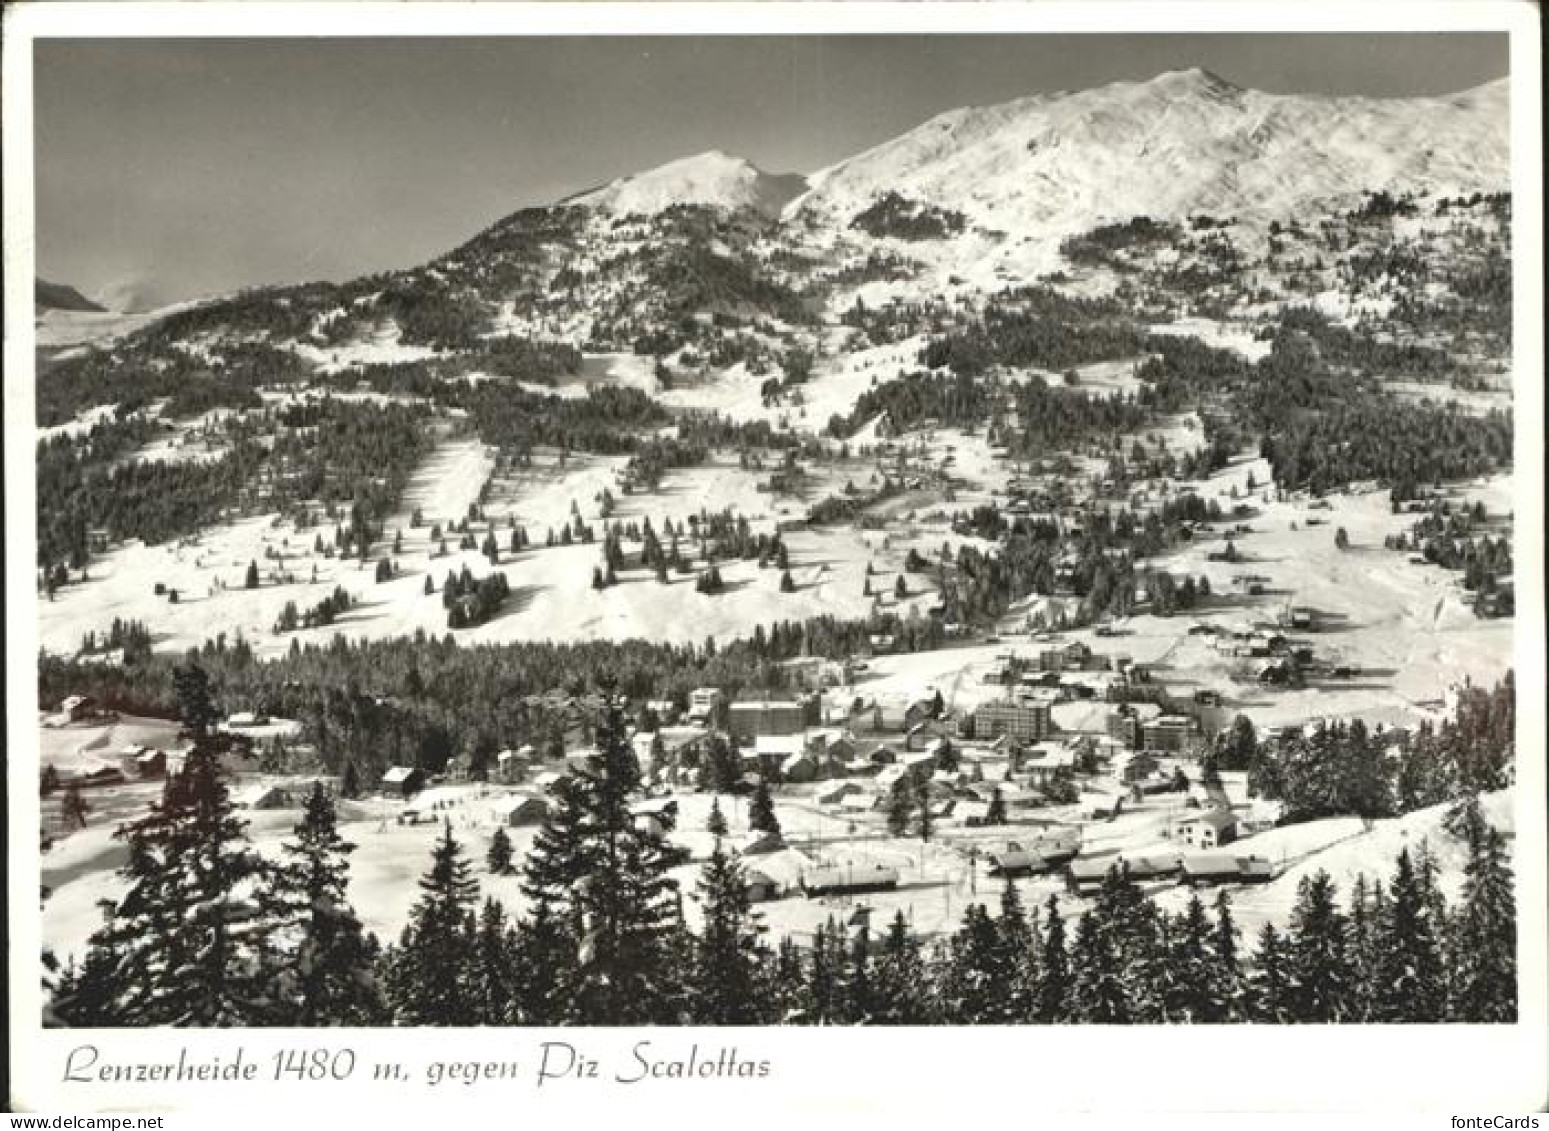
(799, 767)
(702, 702)
(259, 797)
(74, 708)
(402, 781)
(1205, 829)
(776, 874)
(99, 776)
(760, 843)
(519, 809)
(657, 816)
(861, 802)
(771, 752)
(1223, 868)
(511, 765)
(972, 814)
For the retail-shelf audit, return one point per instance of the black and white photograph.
(815, 526)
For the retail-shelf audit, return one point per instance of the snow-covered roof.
(778, 745)
(1216, 818)
(515, 803)
(398, 775)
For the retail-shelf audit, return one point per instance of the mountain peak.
(58, 296)
(713, 178)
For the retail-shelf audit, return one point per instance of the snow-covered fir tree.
(430, 979)
(327, 964)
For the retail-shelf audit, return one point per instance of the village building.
(1208, 828)
(402, 781)
(765, 717)
(98, 776)
(776, 874)
(1172, 734)
(657, 816)
(75, 708)
(1029, 722)
(260, 797)
(1223, 868)
(703, 701)
(1127, 722)
(518, 809)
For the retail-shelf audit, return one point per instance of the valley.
(973, 516)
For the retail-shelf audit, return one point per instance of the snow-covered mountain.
(1184, 142)
(714, 179)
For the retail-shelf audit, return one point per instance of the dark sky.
(167, 169)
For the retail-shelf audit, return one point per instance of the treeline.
(602, 939)
(415, 700)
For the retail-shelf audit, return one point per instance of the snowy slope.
(1184, 142)
(713, 179)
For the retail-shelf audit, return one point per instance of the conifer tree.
(996, 813)
(1018, 958)
(431, 983)
(495, 967)
(625, 901)
(724, 988)
(899, 806)
(972, 991)
(1484, 935)
(1367, 908)
(1268, 981)
(897, 981)
(187, 944)
(1191, 993)
(1409, 982)
(924, 824)
(1318, 969)
(1228, 970)
(761, 812)
(499, 858)
(1054, 979)
(1098, 995)
(327, 968)
(73, 807)
(715, 824)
